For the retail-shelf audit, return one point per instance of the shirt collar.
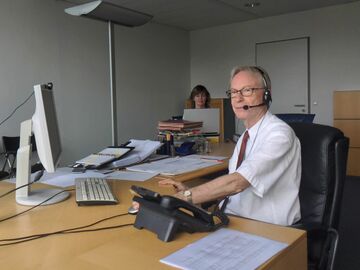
(254, 129)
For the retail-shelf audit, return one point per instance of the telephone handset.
(165, 215)
(173, 203)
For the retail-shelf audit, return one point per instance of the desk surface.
(120, 248)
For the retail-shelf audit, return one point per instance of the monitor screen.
(45, 127)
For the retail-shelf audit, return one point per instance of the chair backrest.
(324, 152)
(11, 144)
(296, 117)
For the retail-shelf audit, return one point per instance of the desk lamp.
(111, 13)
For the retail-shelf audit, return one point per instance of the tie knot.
(246, 136)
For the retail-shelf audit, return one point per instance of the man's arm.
(217, 189)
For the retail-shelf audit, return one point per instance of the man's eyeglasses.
(245, 92)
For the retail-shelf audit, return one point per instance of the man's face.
(246, 80)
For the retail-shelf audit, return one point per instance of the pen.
(212, 159)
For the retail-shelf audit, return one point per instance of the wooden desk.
(121, 248)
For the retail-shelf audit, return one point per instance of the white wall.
(153, 78)
(40, 43)
(334, 51)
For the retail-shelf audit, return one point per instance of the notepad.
(107, 155)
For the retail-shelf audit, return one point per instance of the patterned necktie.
(242, 149)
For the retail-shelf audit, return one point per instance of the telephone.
(166, 215)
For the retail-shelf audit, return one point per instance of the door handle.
(299, 105)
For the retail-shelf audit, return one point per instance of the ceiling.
(199, 14)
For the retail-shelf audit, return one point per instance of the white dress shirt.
(272, 166)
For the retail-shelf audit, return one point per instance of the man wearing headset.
(264, 184)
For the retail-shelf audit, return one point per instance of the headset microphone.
(246, 107)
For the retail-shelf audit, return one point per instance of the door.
(287, 62)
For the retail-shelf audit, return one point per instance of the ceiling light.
(111, 13)
(252, 4)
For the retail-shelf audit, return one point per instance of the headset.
(267, 99)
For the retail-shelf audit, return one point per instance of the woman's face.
(200, 101)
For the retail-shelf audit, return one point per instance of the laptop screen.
(209, 117)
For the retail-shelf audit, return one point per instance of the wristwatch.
(188, 195)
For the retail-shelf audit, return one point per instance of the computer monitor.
(45, 127)
(209, 117)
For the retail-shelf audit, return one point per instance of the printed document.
(225, 249)
(173, 166)
(143, 149)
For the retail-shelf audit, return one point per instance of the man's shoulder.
(274, 121)
(275, 126)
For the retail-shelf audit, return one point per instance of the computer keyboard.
(93, 191)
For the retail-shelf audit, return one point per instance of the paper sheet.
(225, 249)
(64, 177)
(206, 157)
(143, 149)
(173, 166)
(131, 176)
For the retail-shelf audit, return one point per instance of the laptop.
(209, 117)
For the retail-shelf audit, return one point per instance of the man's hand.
(177, 185)
(166, 182)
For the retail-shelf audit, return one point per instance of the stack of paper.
(142, 150)
(178, 125)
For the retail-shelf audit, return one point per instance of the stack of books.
(178, 125)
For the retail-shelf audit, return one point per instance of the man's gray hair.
(261, 72)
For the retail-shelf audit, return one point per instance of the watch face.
(187, 193)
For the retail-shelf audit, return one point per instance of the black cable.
(28, 184)
(3, 121)
(78, 229)
(31, 208)
(15, 189)
(91, 230)
(65, 230)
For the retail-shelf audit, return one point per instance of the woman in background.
(200, 97)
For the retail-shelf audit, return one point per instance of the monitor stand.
(24, 195)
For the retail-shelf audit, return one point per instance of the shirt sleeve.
(268, 160)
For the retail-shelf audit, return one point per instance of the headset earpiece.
(267, 97)
(267, 94)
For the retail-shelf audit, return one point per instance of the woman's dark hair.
(199, 89)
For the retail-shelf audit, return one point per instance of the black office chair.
(296, 117)
(11, 145)
(324, 151)
(3, 173)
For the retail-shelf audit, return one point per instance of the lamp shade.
(105, 11)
